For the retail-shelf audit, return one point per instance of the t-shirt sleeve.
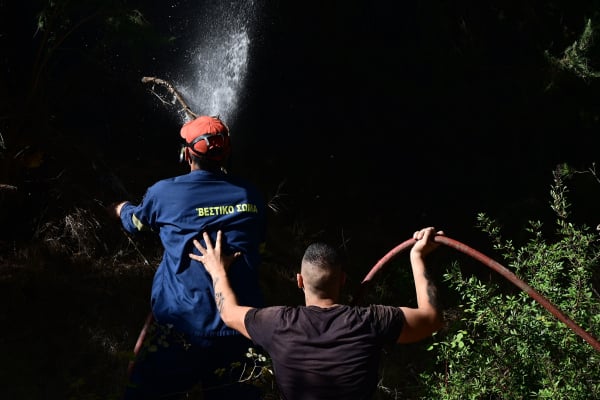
(259, 323)
(389, 321)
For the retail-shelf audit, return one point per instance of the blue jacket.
(179, 209)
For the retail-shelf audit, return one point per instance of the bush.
(503, 344)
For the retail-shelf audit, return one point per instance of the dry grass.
(73, 306)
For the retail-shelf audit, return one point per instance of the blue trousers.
(168, 366)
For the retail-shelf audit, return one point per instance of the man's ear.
(300, 281)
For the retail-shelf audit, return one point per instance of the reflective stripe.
(138, 224)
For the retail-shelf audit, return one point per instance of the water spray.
(487, 261)
(218, 39)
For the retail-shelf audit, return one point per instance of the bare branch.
(592, 170)
(4, 186)
(174, 92)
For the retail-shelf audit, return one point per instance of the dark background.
(374, 115)
(368, 119)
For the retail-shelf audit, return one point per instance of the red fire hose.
(462, 248)
(140, 341)
(489, 263)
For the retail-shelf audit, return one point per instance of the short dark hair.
(323, 255)
(322, 268)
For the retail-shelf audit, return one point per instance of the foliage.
(259, 372)
(503, 345)
(576, 57)
(61, 58)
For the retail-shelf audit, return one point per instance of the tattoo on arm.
(219, 299)
(432, 292)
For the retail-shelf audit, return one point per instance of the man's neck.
(319, 302)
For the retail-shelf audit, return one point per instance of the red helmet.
(207, 137)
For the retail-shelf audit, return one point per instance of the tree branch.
(174, 92)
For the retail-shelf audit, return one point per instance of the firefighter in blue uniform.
(189, 342)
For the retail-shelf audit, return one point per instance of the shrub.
(503, 344)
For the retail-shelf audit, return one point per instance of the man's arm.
(115, 209)
(216, 264)
(426, 318)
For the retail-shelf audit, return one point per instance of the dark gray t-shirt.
(325, 353)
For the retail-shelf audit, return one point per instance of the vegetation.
(503, 345)
(575, 58)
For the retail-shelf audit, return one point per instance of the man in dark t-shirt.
(326, 350)
(332, 352)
